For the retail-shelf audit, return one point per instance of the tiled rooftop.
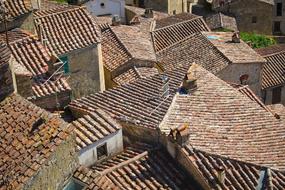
(80, 31)
(172, 31)
(136, 42)
(219, 20)
(17, 8)
(5, 54)
(225, 122)
(195, 48)
(29, 135)
(142, 166)
(274, 68)
(235, 52)
(238, 174)
(93, 127)
(140, 102)
(93, 180)
(36, 59)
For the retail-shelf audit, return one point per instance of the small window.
(276, 95)
(279, 9)
(102, 151)
(174, 12)
(74, 184)
(277, 27)
(102, 5)
(254, 19)
(66, 64)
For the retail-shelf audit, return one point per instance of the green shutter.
(66, 64)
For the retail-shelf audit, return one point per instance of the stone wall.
(267, 95)
(57, 169)
(233, 72)
(243, 11)
(6, 82)
(86, 69)
(280, 19)
(24, 22)
(23, 85)
(50, 102)
(114, 143)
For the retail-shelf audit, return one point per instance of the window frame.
(105, 152)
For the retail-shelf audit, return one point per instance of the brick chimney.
(6, 82)
(190, 81)
(180, 134)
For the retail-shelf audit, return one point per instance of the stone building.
(34, 144)
(19, 14)
(168, 6)
(278, 18)
(98, 136)
(138, 166)
(37, 72)
(258, 21)
(219, 21)
(77, 43)
(173, 29)
(273, 80)
(216, 52)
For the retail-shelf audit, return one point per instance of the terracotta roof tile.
(225, 122)
(146, 167)
(5, 54)
(235, 52)
(238, 174)
(273, 70)
(17, 8)
(140, 102)
(195, 48)
(93, 127)
(24, 147)
(270, 50)
(36, 59)
(176, 28)
(93, 179)
(114, 52)
(80, 31)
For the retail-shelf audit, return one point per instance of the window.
(254, 19)
(174, 12)
(277, 27)
(243, 79)
(279, 9)
(102, 5)
(64, 60)
(74, 184)
(276, 95)
(102, 151)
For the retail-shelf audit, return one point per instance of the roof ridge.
(179, 23)
(66, 9)
(126, 162)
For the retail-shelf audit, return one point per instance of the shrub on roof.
(257, 40)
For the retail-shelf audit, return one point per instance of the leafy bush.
(257, 40)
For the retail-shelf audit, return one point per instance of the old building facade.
(258, 21)
(79, 49)
(167, 6)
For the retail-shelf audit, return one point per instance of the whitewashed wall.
(88, 155)
(112, 7)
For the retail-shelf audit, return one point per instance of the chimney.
(6, 82)
(116, 20)
(190, 81)
(180, 134)
(221, 174)
(148, 13)
(236, 37)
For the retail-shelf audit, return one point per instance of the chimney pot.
(236, 37)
